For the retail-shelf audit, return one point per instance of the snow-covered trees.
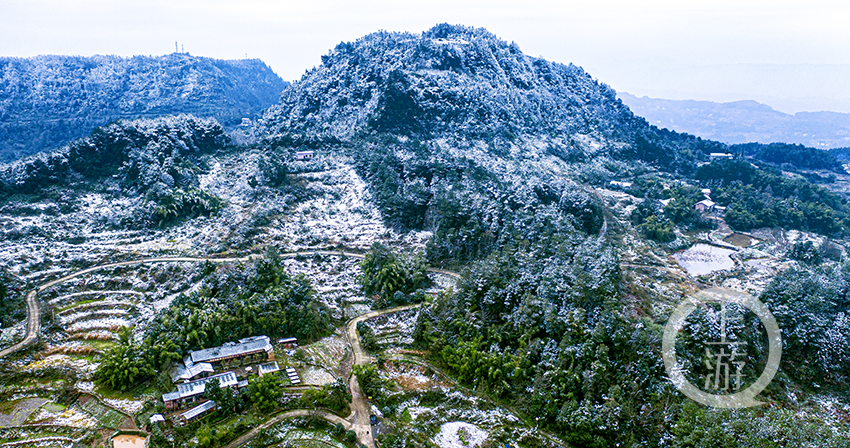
(811, 305)
(47, 101)
(157, 159)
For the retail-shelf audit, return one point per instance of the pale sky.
(792, 55)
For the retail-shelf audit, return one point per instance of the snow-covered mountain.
(47, 101)
(460, 81)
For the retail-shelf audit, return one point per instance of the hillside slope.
(47, 101)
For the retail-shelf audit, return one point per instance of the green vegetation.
(124, 365)
(698, 427)
(12, 302)
(159, 160)
(369, 380)
(224, 398)
(178, 204)
(107, 417)
(811, 306)
(240, 301)
(265, 391)
(233, 302)
(789, 155)
(334, 396)
(763, 198)
(385, 275)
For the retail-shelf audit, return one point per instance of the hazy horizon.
(789, 56)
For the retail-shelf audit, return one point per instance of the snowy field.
(459, 435)
(702, 259)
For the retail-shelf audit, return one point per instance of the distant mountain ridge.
(47, 101)
(743, 121)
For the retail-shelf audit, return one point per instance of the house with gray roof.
(234, 351)
(194, 390)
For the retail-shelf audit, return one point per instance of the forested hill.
(460, 81)
(47, 101)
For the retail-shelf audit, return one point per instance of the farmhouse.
(719, 155)
(288, 342)
(192, 391)
(181, 373)
(304, 155)
(257, 348)
(705, 205)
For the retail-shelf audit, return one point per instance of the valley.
(431, 240)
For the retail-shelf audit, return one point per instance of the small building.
(706, 192)
(246, 122)
(288, 342)
(196, 412)
(719, 156)
(193, 391)
(664, 202)
(256, 348)
(619, 184)
(157, 418)
(270, 367)
(293, 375)
(706, 205)
(304, 155)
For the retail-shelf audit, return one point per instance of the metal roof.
(189, 371)
(197, 387)
(198, 410)
(231, 349)
(270, 367)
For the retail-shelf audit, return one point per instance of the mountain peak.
(449, 78)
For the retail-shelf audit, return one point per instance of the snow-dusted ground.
(316, 377)
(396, 328)
(459, 435)
(334, 279)
(130, 407)
(60, 360)
(68, 417)
(342, 214)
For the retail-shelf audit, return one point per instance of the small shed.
(288, 342)
(706, 205)
(304, 155)
(196, 412)
(267, 368)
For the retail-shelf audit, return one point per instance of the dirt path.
(360, 406)
(248, 436)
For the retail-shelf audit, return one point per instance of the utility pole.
(175, 46)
